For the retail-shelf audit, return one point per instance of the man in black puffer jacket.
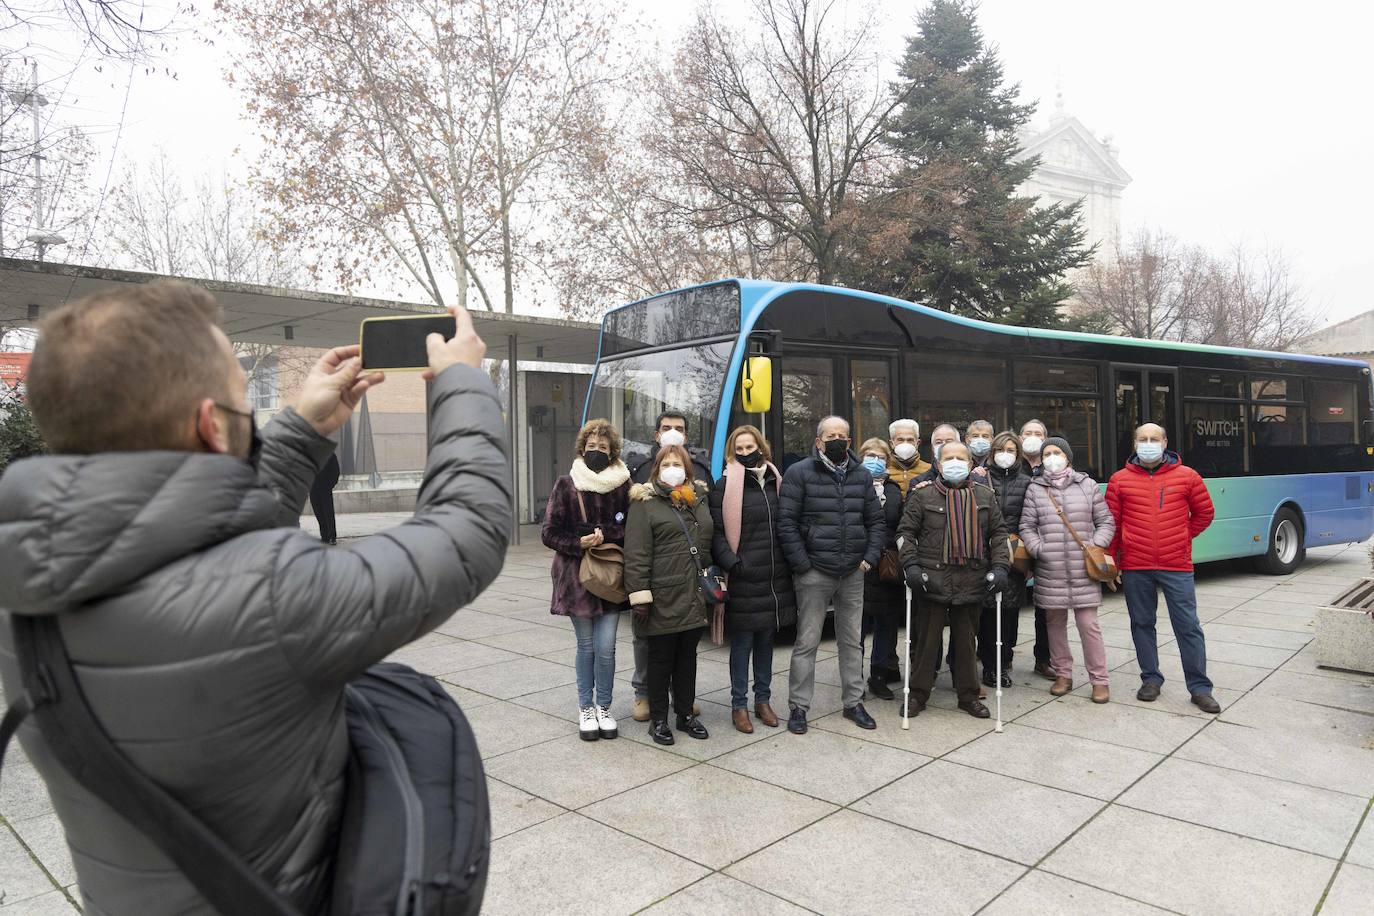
(832, 531)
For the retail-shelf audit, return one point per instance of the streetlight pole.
(41, 238)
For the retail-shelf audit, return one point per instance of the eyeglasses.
(246, 414)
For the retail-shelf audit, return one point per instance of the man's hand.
(981, 471)
(333, 389)
(641, 612)
(997, 580)
(916, 578)
(863, 566)
(465, 347)
(596, 538)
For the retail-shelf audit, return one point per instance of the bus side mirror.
(756, 388)
(1367, 432)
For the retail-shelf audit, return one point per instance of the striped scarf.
(963, 538)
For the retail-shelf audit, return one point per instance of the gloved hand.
(916, 578)
(641, 611)
(997, 580)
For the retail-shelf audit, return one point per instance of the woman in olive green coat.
(661, 577)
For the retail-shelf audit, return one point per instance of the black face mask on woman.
(596, 461)
(750, 460)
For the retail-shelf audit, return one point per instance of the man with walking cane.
(953, 551)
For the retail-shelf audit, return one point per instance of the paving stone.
(1030, 692)
(828, 867)
(822, 764)
(1222, 674)
(1073, 764)
(1235, 653)
(533, 640)
(723, 737)
(709, 815)
(1288, 716)
(997, 814)
(561, 701)
(20, 877)
(1182, 870)
(567, 655)
(1042, 892)
(502, 727)
(933, 733)
(1174, 698)
(469, 624)
(22, 792)
(721, 895)
(53, 903)
(447, 658)
(1253, 636)
(1115, 723)
(467, 699)
(1351, 892)
(825, 699)
(1284, 813)
(1261, 620)
(46, 840)
(1304, 606)
(561, 866)
(1296, 758)
(1308, 661)
(1362, 850)
(513, 678)
(513, 809)
(1323, 691)
(571, 772)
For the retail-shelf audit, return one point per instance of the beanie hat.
(1061, 443)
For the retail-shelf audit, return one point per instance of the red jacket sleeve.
(1201, 511)
(1114, 504)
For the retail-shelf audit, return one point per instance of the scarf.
(587, 480)
(683, 496)
(882, 491)
(1061, 480)
(963, 538)
(839, 470)
(732, 506)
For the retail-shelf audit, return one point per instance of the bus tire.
(1286, 550)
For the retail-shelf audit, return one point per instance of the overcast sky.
(1238, 121)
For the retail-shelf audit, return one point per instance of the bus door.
(815, 384)
(1144, 394)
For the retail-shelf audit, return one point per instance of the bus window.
(1075, 419)
(1214, 437)
(808, 395)
(1035, 375)
(1332, 413)
(702, 311)
(871, 384)
(1275, 388)
(1278, 432)
(953, 388)
(1213, 383)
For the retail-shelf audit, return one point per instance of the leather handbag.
(602, 571)
(890, 566)
(1101, 566)
(710, 579)
(1020, 557)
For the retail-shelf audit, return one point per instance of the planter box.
(1345, 633)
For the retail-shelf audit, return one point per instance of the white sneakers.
(595, 722)
(605, 723)
(587, 726)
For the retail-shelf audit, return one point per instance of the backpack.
(415, 836)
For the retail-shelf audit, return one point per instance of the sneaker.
(641, 712)
(1204, 702)
(860, 717)
(587, 726)
(660, 732)
(605, 723)
(1148, 692)
(796, 723)
(879, 688)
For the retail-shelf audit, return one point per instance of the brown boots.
(741, 719)
(766, 715)
(1061, 686)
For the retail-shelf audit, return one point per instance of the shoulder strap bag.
(602, 571)
(1100, 565)
(710, 583)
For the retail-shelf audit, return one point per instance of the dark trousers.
(987, 634)
(745, 644)
(322, 499)
(883, 628)
(963, 625)
(673, 658)
(1042, 637)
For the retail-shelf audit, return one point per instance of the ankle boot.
(741, 719)
(1061, 686)
(660, 732)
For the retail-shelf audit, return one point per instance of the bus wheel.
(1286, 549)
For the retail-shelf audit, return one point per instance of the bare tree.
(114, 29)
(1257, 302)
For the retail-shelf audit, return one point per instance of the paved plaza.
(1075, 808)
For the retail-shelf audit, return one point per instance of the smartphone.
(398, 344)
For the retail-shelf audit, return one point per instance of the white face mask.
(670, 437)
(1004, 460)
(904, 450)
(672, 476)
(1055, 463)
(1031, 445)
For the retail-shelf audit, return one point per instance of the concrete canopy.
(261, 314)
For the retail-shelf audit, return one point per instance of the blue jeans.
(1142, 603)
(744, 643)
(595, 657)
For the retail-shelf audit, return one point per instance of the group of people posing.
(857, 529)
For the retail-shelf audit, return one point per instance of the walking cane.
(906, 673)
(998, 675)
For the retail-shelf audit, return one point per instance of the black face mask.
(750, 460)
(596, 461)
(837, 450)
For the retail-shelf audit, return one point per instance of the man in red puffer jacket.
(1160, 506)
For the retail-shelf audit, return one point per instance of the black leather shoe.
(1206, 703)
(891, 675)
(660, 732)
(1006, 679)
(914, 707)
(692, 727)
(1148, 692)
(987, 678)
(796, 722)
(879, 689)
(975, 709)
(860, 717)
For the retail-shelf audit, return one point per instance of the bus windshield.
(633, 390)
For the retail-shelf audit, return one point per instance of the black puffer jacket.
(923, 530)
(886, 598)
(828, 524)
(1011, 498)
(761, 596)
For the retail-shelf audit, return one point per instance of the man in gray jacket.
(213, 637)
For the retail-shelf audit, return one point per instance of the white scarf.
(584, 478)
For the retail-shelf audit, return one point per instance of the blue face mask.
(1149, 452)
(955, 470)
(876, 466)
(979, 447)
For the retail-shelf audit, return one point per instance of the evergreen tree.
(19, 437)
(951, 231)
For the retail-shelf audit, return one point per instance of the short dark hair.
(123, 370)
(670, 415)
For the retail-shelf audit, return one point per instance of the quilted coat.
(1010, 487)
(922, 529)
(659, 569)
(829, 524)
(886, 598)
(213, 637)
(1158, 513)
(1061, 577)
(761, 596)
(562, 530)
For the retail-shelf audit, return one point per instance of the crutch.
(906, 669)
(998, 675)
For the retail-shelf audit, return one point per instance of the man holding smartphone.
(212, 637)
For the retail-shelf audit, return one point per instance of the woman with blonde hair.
(587, 508)
(884, 600)
(744, 511)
